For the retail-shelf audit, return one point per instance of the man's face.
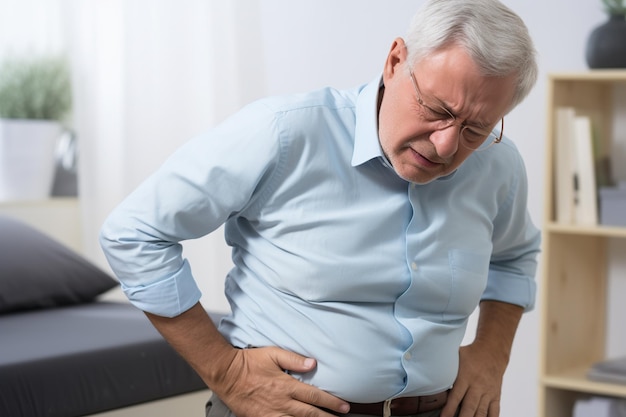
(417, 147)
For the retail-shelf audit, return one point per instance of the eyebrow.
(478, 123)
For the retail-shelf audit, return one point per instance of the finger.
(305, 393)
(483, 410)
(321, 399)
(494, 409)
(449, 410)
(455, 397)
(291, 361)
(482, 407)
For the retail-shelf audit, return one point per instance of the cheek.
(395, 129)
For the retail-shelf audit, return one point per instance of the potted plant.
(615, 7)
(35, 100)
(606, 45)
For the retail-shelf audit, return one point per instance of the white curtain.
(147, 76)
(30, 27)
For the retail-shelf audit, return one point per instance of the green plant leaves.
(35, 88)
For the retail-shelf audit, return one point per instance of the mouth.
(425, 161)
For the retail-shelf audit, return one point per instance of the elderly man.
(366, 226)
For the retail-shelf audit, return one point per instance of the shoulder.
(310, 119)
(325, 101)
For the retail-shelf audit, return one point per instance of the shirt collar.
(366, 143)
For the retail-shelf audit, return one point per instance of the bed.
(65, 353)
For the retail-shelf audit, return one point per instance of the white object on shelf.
(565, 167)
(587, 210)
(600, 407)
(592, 407)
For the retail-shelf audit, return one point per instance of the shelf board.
(609, 75)
(606, 231)
(576, 380)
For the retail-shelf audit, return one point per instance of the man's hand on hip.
(256, 385)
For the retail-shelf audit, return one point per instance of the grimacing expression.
(448, 79)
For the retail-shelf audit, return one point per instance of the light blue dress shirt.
(336, 257)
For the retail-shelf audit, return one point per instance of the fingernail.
(344, 409)
(309, 362)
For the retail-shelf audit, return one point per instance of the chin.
(417, 176)
(410, 168)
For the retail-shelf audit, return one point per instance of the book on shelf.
(576, 194)
(610, 370)
(587, 208)
(565, 178)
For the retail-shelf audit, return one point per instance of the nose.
(446, 140)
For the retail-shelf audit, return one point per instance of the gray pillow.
(36, 271)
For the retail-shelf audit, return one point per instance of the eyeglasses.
(470, 137)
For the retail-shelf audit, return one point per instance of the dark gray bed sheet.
(84, 359)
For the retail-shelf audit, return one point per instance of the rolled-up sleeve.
(197, 189)
(516, 244)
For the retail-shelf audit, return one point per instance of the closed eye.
(473, 135)
(433, 114)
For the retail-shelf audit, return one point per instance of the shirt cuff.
(168, 297)
(512, 289)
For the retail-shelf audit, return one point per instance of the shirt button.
(413, 266)
(407, 356)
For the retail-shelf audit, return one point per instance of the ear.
(396, 59)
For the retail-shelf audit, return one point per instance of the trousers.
(216, 408)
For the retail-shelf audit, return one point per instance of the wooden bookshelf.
(575, 260)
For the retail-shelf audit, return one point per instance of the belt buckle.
(387, 408)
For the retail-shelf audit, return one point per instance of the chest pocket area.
(468, 272)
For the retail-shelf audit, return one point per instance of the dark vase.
(606, 45)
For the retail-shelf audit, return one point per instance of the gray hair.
(494, 36)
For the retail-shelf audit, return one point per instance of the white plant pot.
(27, 158)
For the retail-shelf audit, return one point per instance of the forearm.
(483, 362)
(252, 382)
(196, 338)
(497, 325)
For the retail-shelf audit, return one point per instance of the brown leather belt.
(404, 406)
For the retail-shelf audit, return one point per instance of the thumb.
(290, 361)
